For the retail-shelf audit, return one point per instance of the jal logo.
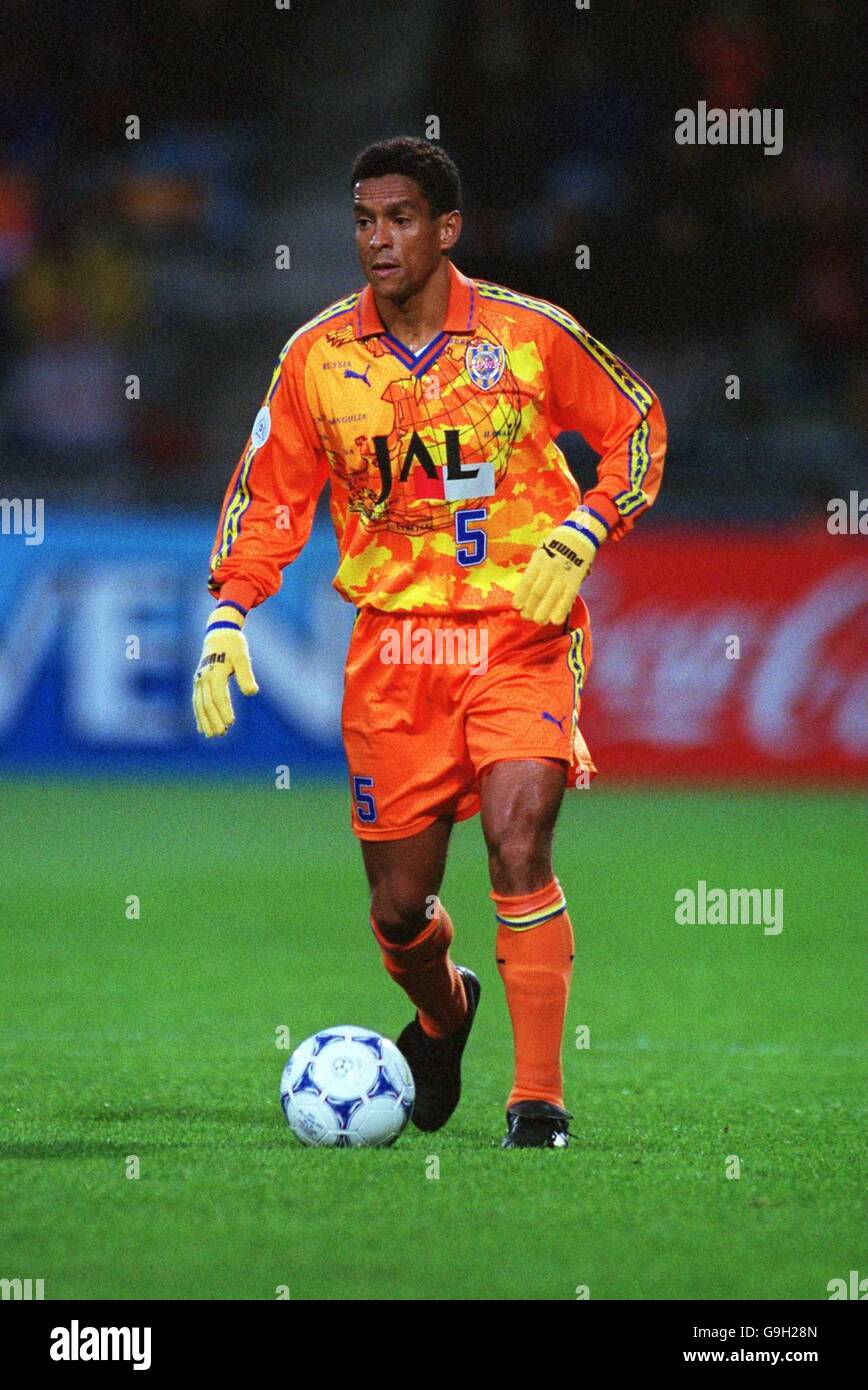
(452, 482)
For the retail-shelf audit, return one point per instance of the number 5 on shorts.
(366, 807)
(471, 547)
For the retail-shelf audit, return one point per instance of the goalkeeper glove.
(559, 566)
(224, 653)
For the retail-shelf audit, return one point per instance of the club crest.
(485, 363)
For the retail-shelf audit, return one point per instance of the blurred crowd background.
(155, 257)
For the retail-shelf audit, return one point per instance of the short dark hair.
(428, 165)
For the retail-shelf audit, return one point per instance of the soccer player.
(430, 402)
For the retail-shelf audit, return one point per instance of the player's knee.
(519, 859)
(400, 910)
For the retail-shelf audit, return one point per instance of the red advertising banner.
(730, 655)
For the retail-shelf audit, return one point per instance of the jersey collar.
(461, 311)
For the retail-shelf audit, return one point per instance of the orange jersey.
(443, 468)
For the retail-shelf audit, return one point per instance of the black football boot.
(536, 1124)
(436, 1062)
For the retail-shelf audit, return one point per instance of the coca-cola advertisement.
(728, 654)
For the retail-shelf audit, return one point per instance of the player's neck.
(421, 317)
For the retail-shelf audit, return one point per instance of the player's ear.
(450, 230)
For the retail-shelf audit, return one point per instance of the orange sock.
(426, 974)
(535, 960)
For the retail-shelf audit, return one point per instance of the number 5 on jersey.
(471, 546)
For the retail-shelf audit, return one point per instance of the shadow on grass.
(198, 1130)
(183, 1114)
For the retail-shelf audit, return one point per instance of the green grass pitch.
(156, 1038)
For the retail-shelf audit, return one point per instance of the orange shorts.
(431, 700)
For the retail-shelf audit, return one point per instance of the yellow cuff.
(588, 524)
(225, 613)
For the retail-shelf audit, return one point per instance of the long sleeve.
(270, 503)
(594, 392)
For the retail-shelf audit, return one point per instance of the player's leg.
(521, 720)
(404, 877)
(415, 932)
(534, 950)
(411, 925)
(411, 776)
(520, 803)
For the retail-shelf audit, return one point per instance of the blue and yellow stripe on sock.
(523, 921)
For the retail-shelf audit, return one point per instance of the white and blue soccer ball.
(347, 1088)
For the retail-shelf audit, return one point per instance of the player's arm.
(265, 520)
(590, 390)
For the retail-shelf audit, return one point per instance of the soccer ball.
(347, 1088)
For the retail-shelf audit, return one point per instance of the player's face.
(399, 243)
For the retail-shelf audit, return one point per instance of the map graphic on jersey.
(443, 470)
(448, 417)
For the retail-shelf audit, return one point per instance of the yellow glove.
(559, 566)
(224, 653)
